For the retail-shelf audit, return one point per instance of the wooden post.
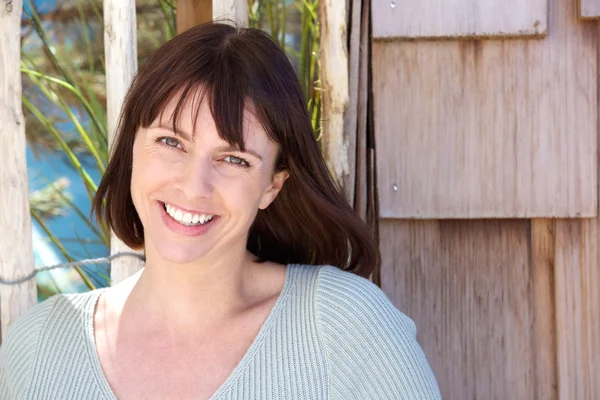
(16, 249)
(120, 48)
(192, 12)
(339, 146)
(236, 10)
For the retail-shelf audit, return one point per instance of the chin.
(179, 254)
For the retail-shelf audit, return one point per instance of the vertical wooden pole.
(120, 48)
(192, 12)
(236, 10)
(339, 146)
(16, 249)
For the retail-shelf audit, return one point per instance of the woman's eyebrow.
(247, 150)
(177, 132)
(186, 136)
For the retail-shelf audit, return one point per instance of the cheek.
(147, 173)
(241, 191)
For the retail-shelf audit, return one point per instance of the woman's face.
(195, 195)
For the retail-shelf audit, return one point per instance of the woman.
(216, 174)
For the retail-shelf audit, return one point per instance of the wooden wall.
(506, 309)
(468, 130)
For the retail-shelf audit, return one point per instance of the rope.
(103, 260)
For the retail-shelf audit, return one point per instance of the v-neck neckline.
(239, 368)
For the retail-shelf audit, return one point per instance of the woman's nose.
(196, 179)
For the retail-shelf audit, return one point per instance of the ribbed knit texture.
(331, 335)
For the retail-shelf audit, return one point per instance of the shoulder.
(352, 298)
(29, 324)
(349, 301)
(17, 351)
(50, 313)
(371, 346)
(45, 322)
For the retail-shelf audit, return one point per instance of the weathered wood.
(493, 128)
(543, 244)
(350, 113)
(459, 18)
(577, 277)
(192, 12)
(337, 143)
(589, 9)
(361, 193)
(475, 296)
(16, 251)
(120, 47)
(236, 10)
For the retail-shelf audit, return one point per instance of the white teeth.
(186, 218)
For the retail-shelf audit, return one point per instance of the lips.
(185, 217)
(177, 222)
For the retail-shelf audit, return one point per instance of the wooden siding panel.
(459, 18)
(494, 128)
(578, 308)
(473, 291)
(589, 9)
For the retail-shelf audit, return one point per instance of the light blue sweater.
(331, 335)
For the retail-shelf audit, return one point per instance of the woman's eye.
(236, 160)
(169, 141)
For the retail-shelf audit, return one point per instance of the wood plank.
(543, 247)
(120, 48)
(351, 112)
(494, 128)
(235, 10)
(333, 64)
(577, 277)
(589, 9)
(192, 12)
(459, 18)
(16, 248)
(362, 115)
(468, 287)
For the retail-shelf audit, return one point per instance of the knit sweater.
(330, 335)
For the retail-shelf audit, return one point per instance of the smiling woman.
(254, 283)
(247, 87)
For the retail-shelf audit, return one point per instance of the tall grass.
(64, 98)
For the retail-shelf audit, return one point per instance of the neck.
(192, 296)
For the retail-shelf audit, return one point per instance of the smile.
(187, 218)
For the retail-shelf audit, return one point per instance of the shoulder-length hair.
(310, 221)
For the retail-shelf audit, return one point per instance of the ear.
(274, 188)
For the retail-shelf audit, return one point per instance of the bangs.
(239, 73)
(223, 83)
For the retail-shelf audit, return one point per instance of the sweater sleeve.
(371, 347)
(18, 350)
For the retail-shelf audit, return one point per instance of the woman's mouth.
(185, 222)
(187, 218)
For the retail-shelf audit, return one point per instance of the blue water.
(69, 228)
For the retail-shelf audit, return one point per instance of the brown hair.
(310, 221)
